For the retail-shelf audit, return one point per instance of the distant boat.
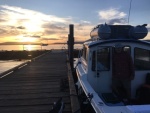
(44, 44)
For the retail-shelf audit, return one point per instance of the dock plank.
(35, 87)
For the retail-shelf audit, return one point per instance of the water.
(6, 65)
(37, 47)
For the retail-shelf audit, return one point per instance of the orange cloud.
(18, 24)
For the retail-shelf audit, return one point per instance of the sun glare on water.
(28, 47)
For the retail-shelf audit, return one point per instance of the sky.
(47, 21)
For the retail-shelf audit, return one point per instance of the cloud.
(32, 36)
(64, 37)
(82, 31)
(2, 31)
(16, 21)
(50, 32)
(85, 22)
(53, 26)
(148, 27)
(8, 31)
(148, 35)
(32, 15)
(112, 16)
(2, 20)
(20, 27)
(20, 24)
(50, 39)
(117, 21)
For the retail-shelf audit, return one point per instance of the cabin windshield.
(101, 57)
(142, 59)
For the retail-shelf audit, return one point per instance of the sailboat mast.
(129, 11)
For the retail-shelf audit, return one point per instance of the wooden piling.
(71, 44)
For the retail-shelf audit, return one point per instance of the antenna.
(129, 11)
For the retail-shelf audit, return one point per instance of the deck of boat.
(34, 88)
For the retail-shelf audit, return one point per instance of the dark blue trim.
(117, 40)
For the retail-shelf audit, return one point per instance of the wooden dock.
(35, 87)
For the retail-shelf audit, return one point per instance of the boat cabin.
(98, 54)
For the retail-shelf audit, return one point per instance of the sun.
(33, 26)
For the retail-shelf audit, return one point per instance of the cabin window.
(126, 49)
(101, 59)
(142, 59)
(84, 53)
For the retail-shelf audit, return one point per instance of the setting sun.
(32, 26)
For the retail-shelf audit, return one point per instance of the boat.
(95, 82)
(44, 44)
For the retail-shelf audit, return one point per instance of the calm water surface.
(6, 65)
(36, 47)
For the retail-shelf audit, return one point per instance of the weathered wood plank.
(29, 91)
(34, 88)
(34, 95)
(30, 101)
(32, 109)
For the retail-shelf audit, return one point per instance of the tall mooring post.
(71, 44)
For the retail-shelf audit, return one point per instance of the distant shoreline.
(35, 43)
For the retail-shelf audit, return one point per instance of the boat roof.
(95, 43)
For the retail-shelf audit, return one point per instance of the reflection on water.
(6, 65)
(37, 47)
(28, 47)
